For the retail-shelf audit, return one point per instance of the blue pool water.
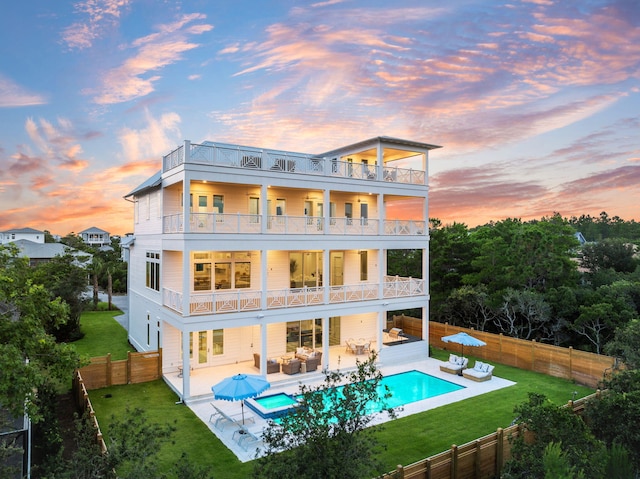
(406, 387)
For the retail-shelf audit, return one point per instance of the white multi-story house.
(95, 237)
(29, 234)
(240, 251)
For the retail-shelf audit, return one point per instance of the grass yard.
(102, 335)
(408, 440)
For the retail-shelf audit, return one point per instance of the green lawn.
(102, 335)
(408, 440)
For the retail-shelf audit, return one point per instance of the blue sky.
(534, 102)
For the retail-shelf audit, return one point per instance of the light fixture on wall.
(260, 315)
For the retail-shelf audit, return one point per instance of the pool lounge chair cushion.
(455, 364)
(480, 372)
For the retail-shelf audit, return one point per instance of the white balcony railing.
(217, 223)
(283, 161)
(233, 301)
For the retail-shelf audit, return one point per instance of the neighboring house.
(240, 250)
(11, 236)
(41, 253)
(95, 237)
(125, 243)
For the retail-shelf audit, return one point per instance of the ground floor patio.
(202, 381)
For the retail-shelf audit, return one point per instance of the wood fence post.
(159, 363)
(499, 451)
(109, 370)
(533, 355)
(500, 352)
(399, 472)
(477, 459)
(428, 468)
(128, 378)
(570, 363)
(454, 462)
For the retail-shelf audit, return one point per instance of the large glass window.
(305, 269)
(227, 270)
(223, 275)
(304, 333)
(202, 276)
(364, 265)
(153, 271)
(218, 204)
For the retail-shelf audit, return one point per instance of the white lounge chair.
(480, 372)
(455, 365)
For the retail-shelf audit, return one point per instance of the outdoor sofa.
(455, 364)
(480, 372)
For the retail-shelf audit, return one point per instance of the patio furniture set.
(358, 347)
(304, 360)
(458, 365)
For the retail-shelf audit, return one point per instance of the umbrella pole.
(242, 403)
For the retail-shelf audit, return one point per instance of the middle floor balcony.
(241, 300)
(222, 223)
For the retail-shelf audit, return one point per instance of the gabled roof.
(153, 182)
(24, 231)
(93, 229)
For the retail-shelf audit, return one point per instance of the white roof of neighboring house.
(23, 231)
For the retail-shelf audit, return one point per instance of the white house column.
(264, 210)
(425, 309)
(186, 282)
(186, 366)
(264, 277)
(263, 349)
(382, 214)
(325, 343)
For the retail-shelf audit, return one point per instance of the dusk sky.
(536, 103)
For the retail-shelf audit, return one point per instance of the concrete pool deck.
(203, 406)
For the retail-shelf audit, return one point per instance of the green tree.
(614, 416)
(550, 424)
(524, 314)
(66, 279)
(556, 464)
(626, 344)
(469, 306)
(611, 253)
(533, 256)
(450, 254)
(30, 358)
(404, 262)
(327, 435)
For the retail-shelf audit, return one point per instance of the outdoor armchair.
(291, 367)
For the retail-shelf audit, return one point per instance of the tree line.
(535, 280)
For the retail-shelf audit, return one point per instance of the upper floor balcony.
(352, 167)
(242, 300)
(220, 223)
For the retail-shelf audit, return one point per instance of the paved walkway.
(120, 301)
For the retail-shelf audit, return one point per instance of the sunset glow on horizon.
(535, 103)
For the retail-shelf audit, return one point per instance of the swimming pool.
(405, 387)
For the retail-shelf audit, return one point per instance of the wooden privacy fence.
(137, 368)
(479, 459)
(568, 363)
(81, 397)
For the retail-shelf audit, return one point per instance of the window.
(218, 204)
(218, 341)
(305, 269)
(202, 202)
(153, 271)
(202, 276)
(364, 265)
(348, 212)
(304, 333)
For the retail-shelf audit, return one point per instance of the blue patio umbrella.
(239, 388)
(463, 339)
